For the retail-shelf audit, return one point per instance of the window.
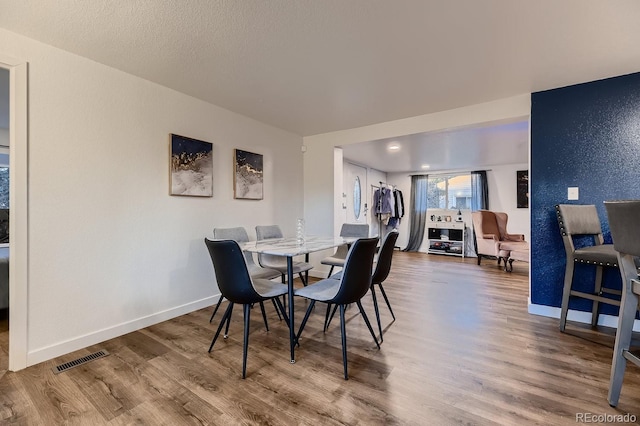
(449, 192)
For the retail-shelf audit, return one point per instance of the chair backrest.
(264, 232)
(238, 234)
(354, 230)
(232, 275)
(624, 223)
(356, 275)
(485, 223)
(578, 219)
(383, 266)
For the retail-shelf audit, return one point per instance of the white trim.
(68, 346)
(18, 215)
(577, 316)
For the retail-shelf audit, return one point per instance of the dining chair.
(581, 222)
(348, 230)
(239, 234)
(238, 287)
(380, 274)
(279, 263)
(624, 222)
(353, 285)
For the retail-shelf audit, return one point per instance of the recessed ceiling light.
(394, 147)
(425, 166)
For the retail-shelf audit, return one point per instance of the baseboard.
(44, 354)
(577, 316)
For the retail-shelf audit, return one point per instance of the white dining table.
(289, 248)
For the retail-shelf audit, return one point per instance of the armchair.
(492, 238)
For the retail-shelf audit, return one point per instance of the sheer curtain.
(479, 191)
(418, 211)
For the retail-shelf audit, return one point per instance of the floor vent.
(77, 362)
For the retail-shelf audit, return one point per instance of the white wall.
(109, 250)
(319, 160)
(502, 197)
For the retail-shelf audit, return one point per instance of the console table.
(446, 238)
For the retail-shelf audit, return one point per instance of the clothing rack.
(390, 187)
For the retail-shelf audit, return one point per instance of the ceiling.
(312, 67)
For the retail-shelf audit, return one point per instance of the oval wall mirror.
(356, 198)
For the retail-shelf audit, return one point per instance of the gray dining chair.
(348, 230)
(279, 263)
(581, 221)
(238, 287)
(239, 234)
(624, 222)
(353, 285)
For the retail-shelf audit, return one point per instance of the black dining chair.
(237, 286)
(380, 274)
(239, 234)
(353, 285)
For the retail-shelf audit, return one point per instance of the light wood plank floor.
(463, 350)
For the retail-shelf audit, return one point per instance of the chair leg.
(330, 271)
(366, 321)
(333, 312)
(216, 308)
(386, 299)
(596, 304)
(226, 330)
(276, 308)
(264, 316)
(245, 343)
(375, 306)
(226, 315)
(343, 333)
(302, 278)
(304, 320)
(282, 309)
(628, 308)
(479, 259)
(326, 317)
(566, 293)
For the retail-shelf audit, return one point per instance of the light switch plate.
(572, 193)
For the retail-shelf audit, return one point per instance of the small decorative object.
(459, 217)
(447, 218)
(191, 167)
(300, 232)
(439, 218)
(522, 182)
(433, 218)
(247, 175)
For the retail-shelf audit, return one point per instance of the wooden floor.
(463, 350)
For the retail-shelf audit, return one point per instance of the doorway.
(354, 190)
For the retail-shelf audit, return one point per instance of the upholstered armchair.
(492, 238)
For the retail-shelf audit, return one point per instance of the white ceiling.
(316, 66)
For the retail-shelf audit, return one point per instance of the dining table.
(289, 248)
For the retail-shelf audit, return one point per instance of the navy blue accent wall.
(587, 135)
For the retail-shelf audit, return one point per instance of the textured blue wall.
(587, 135)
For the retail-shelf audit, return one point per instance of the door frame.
(18, 217)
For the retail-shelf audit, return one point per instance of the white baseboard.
(577, 316)
(44, 354)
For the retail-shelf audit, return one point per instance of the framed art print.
(191, 167)
(247, 175)
(522, 182)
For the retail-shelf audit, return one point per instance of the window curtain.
(418, 212)
(479, 191)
